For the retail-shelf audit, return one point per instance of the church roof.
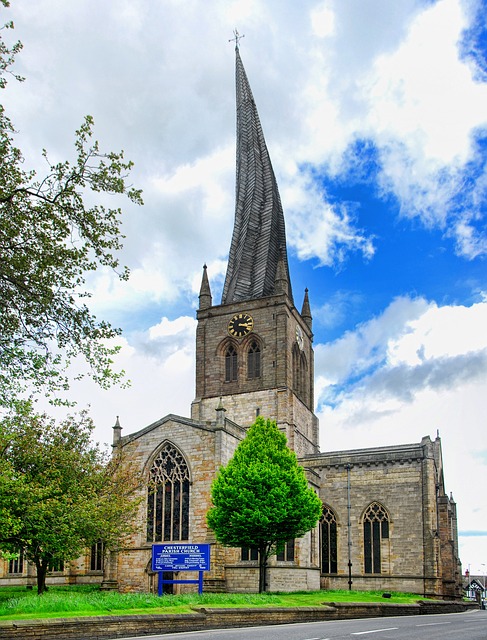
(259, 237)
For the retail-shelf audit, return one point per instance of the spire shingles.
(259, 237)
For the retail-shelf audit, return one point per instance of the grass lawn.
(18, 603)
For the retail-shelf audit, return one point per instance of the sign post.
(180, 557)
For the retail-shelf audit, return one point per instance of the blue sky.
(375, 116)
(409, 258)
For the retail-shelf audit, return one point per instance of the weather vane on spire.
(237, 38)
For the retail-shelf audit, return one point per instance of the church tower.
(254, 350)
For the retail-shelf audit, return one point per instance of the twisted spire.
(259, 236)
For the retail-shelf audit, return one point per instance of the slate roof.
(259, 237)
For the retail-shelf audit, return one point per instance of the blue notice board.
(180, 557)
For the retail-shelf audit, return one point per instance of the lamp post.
(484, 593)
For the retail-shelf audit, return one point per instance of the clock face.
(299, 337)
(240, 325)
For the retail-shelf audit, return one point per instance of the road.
(453, 626)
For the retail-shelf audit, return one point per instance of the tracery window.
(329, 549)
(231, 364)
(253, 360)
(376, 528)
(168, 497)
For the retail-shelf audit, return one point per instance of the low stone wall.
(105, 627)
(349, 610)
(102, 627)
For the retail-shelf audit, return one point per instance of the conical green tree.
(262, 498)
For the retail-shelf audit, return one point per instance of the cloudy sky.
(375, 116)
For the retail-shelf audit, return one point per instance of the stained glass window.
(329, 551)
(168, 497)
(376, 527)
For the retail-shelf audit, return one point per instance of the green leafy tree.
(62, 493)
(261, 498)
(52, 233)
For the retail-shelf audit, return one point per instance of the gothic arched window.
(300, 375)
(253, 360)
(168, 497)
(231, 364)
(329, 550)
(376, 528)
(303, 378)
(296, 371)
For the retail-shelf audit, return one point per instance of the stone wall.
(282, 578)
(292, 416)
(419, 555)
(205, 447)
(272, 395)
(403, 479)
(106, 627)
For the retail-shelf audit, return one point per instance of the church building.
(387, 522)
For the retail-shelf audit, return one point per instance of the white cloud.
(159, 367)
(320, 230)
(402, 85)
(323, 21)
(469, 241)
(423, 94)
(171, 328)
(413, 346)
(208, 174)
(441, 332)
(407, 89)
(365, 348)
(424, 107)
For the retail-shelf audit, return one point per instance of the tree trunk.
(262, 567)
(41, 576)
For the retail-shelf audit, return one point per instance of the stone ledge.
(352, 610)
(108, 627)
